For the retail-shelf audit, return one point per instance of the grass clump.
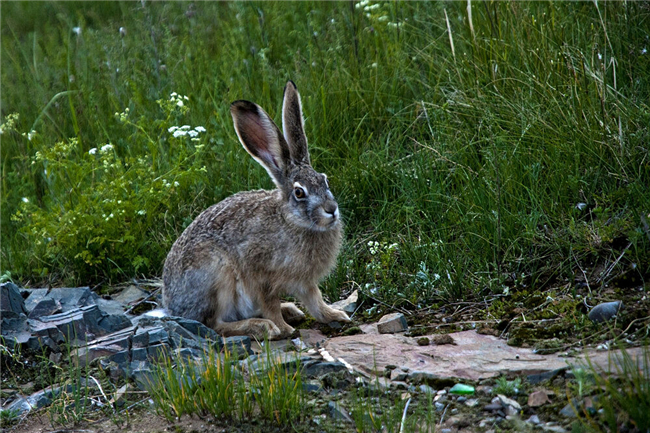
(218, 386)
(621, 400)
(507, 387)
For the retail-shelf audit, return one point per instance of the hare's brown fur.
(231, 265)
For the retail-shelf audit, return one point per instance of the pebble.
(533, 420)
(392, 323)
(605, 311)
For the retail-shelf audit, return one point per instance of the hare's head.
(305, 192)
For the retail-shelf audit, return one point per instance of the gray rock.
(11, 301)
(492, 407)
(131, 295)
(439, 406)
(398, 385)
(552, 427)
(431, 379)
(567, 411)
(472, 402)
(200, 330)
(318, 369)
(239, 346)
(547, 375)
(312, 386)
(338, 413)
(508, 402)
(348, 305)
(45, 307)
(81, 324)
(605, 311)
(398, 375)
(426, 389)
(20, 406)
(392, 323)
(534, 420)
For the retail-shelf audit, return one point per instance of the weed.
(507, 387)
(217, 385)
(622, 399)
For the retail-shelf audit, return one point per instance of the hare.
(233, 262)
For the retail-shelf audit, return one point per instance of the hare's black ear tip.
(242, 106)
(292, 84)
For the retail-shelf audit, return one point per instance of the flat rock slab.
(474, 357)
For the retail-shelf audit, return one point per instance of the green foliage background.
(465, 152)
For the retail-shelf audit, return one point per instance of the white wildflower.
(172, 129)
(179, 133)
(199, 129)
(106, 147)
(76, 30)
(142, 212)
(192, 133)
(643, 51)
(25, 200)
(92, 151)
(185, 127)
(176, 184)
(31, 135)
(179, 103)
(186, 98)
(173, 95)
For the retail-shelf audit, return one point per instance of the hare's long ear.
(261, 138)
(293, 124)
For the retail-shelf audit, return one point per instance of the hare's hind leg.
(256, 328)
(322, 312)
(291, 313)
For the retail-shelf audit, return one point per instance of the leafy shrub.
(105, 206)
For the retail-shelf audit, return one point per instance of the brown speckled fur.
(231, 265)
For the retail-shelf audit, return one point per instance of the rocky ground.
(453, 362)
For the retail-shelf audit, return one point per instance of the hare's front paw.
(332, 315)
(291, 313)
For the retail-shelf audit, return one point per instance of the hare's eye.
(299, 192)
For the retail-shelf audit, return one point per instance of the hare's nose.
(331, 209)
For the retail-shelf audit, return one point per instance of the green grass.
(621, 400)
(466, 144)
(217, 386)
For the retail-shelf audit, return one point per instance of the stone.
(426, 389)
(398, 385)
(439, 406)
(318, 369)
(398, 375)
(423, 341)
(130, 296)
(538, 398)
(568, 412)
(431, 379)
(492, 407)
(348, 305)
(472, 402)
(45, 307)
(605, 311)
(544, 376)
(508, 402)
(312, 386)
(552, 427)
(534, 420)
(11, 301)
(239, 346)
(338, 413)
(392, 323)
